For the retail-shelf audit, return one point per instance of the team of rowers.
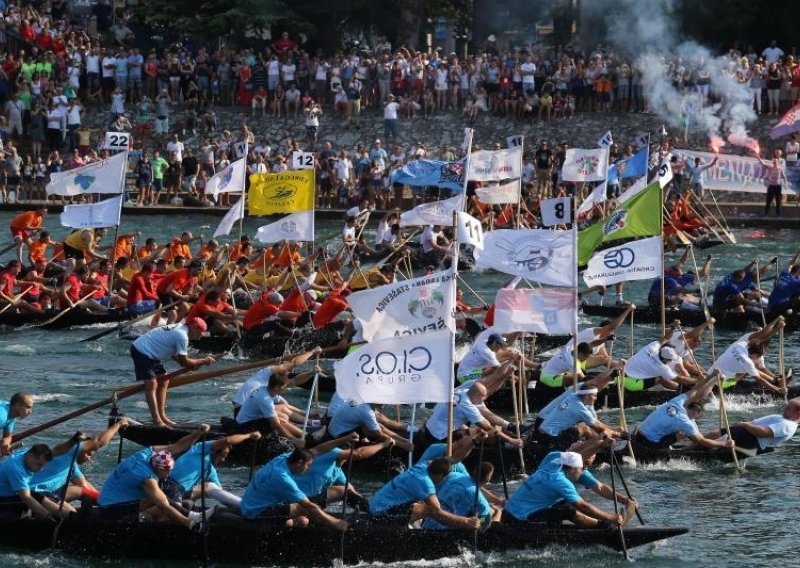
(294, 488)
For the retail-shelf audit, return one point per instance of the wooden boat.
(74, 318)
(231, 539)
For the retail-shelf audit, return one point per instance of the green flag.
(640, 216)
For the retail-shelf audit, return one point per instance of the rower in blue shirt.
(676, 418)
(274, 495)
(258, 412)
(133, 486)
(457, 496)
(365, 419)
(786, 291)
(737, 290)
(549, 496)
(185, 476)
(411, 496)
(20, 406)
(16, 472)
(574, 418)
(51, 481)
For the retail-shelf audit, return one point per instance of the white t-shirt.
(772, 54)
(177, 149)
(274, 67)
(735, 360)
(561, 362)
(527, 70)
(93, 64)
(288, 72)
(782, 430)
(383, 229)
(343, 166)
(390, 111)
(646, 364)
(479, 356)
(428, 235)
(109, 72)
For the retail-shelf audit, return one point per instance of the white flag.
(537, 254)
(411, 307)
(635, 260)
(465, 141)
(229, 220)
(240, 149)
(433, 213)
(514, 141)
(398, 370)
(585, 165)
(105, 176)
(295, 227)
(605, 140)
(470, 230)
(103, 214)
(556, 211)
(664, 173)
(638, 187)
(495, 165)
(229, 180)
(641, 140)
(597, 196)
(541, 310)
(505, 193)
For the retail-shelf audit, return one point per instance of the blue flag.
(635, 166)
(447, 175)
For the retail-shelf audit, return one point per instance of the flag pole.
(244, 191)
(663, 289)
(455, 294)
(575, 291)
(112, 256)
(519, 193)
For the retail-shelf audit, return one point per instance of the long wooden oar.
(15, 299)
(8, 248)
(176, 380)
(724, 415)
(62, 313)
(137, 319)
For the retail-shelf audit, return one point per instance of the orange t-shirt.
(27, 219)
(123, 247)
(180, 280)
(283, 259)
(333, 305)
(259, 311)
(178, 248)
(267, 259)
(38, 250)
(202, 310)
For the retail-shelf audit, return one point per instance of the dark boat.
(688, 318)
(230, 539)
(686, 452)
(75, 318)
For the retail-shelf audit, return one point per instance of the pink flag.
(540, 310)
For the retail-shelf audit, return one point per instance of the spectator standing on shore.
(776, 177)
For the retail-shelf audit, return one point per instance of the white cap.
(571, 459)
(582, 392)
(668, 353)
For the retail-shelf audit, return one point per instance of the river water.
(735, 520)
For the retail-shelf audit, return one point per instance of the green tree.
(216, 17)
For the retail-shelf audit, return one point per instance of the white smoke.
(649, 29)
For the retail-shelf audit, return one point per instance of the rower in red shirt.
(70, 292)
(179, 286)
(99, 279)
(8, 281)
(331, 307)
(266, 315)
(142, 295)
(220, 317)
(34, 281)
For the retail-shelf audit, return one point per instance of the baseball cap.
(571, 459)
(497, 338)
(198, 323)
(668, 353)
(275, 298)
(162, 460)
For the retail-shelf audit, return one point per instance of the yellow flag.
(281, 192)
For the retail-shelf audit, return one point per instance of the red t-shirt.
(259, 311)
(141, 288)
(293, 302)
(180, 280)
(7, 282)
(333, 305)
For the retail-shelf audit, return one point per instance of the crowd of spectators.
(60, 65)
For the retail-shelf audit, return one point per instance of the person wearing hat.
(657, 363)
(133, 488)
(675, 420)
(266, 316)
(481, 361)
(573, 419)
(160, 344)
(549, 496)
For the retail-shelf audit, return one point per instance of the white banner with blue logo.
(410, 307)
(539, 255)
(398, 370)
(636, 260)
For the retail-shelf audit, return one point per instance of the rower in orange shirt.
(24, 225)
(37, 249)
(290, 254)
(265, 260)
(180, 246)
(209, 251)
(240, 249)
(124, 245)
(179, 286)
(220, 317)
(150, 250)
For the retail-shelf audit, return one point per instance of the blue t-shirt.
(186, 471)
(433, 452)
(14, 476)
(124, 485)
(669, 418)
(728, 287)
(671, 285)
(464, 412)
(335, 404)
(556, 402)
(350, 417)
(546, 488)
(457, 495)
(785, 287)
(6, 422)
(321, 475)
(259, 379)
(163, 342)
(569, 413)
(258, 404)
(411, 486)
(53, 476)
(273, 485)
